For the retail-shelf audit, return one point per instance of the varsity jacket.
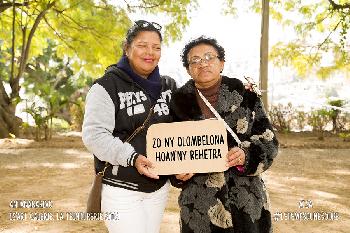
(115, 107)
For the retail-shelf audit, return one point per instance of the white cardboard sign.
(187, 147)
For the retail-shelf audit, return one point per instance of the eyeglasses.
(145, 24)
(208, 57)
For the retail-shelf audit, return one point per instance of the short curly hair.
(198, 41)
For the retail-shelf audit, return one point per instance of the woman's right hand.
(184, 176)
(248, 86)
(142, 165)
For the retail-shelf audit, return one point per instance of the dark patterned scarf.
(151, 85)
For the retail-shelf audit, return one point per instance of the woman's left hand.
(235, 157)
(142, 165)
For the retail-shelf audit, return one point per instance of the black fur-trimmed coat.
(230, 201)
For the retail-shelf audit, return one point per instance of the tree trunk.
(335, 125)
(9, 123)
(8, 120)
(264, 52)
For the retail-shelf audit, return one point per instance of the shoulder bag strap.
(136, 131)
(217, 115)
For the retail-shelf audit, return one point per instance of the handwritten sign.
(187, 147)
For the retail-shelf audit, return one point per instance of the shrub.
(334, 113)
(77, 112)
(345, 136)
(318, 120)
(41, 119)
(281, 117)
(301, 119)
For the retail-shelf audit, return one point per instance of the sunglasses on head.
(145, 24)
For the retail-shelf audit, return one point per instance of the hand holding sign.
(184, 176)
(235, 157)
(187, 147)
(143, 166)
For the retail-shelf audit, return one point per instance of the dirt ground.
(308, 176)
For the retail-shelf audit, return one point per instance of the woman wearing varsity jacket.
(130, 93)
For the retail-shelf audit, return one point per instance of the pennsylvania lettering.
(200, 140)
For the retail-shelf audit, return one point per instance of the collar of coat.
(232, 95)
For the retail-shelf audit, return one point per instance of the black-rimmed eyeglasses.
(208, 57)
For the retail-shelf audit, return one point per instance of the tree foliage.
(88, 33)
(322, 41)
(51, 79)
(175, 12)
(91, 31)
(322, 44)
